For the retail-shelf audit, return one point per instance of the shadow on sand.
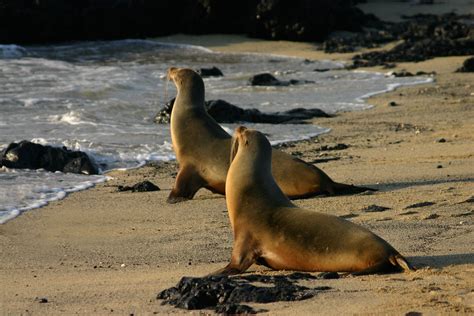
(401, 185)
(442, 261)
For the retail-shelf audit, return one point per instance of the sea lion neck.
(250, 175)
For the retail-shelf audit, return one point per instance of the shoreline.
(113, 252)
(214, 44)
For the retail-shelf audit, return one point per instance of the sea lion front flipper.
(187, 183)
(243, 256)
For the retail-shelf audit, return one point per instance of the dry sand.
(100, 251)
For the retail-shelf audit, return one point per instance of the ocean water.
(101, 98)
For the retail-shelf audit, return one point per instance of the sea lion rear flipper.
(400, 261)
(395, 263)
(188, 182)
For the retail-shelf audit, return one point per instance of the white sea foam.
(12, 51)
(30, 185)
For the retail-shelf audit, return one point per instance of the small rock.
(441, 140)
(439, 166)
(431, 216)
(210, 72)
(420, 204)
(402, 73)
(375, 208)
(266, 79)
(467, 66)
(144, 186)
(41, 300)
(392, 103)
(339, 146)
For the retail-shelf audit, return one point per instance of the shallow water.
(101, 97)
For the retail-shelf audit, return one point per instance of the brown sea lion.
(202, 149)
(270, 230)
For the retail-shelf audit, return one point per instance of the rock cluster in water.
(224, 112)
(40, 21)
(28, 155)
(226, 294)
(266, 79)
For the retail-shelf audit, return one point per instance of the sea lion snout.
(172, 73)
(239, 130)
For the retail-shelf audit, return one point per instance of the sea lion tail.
(399, 261)
(342, 189)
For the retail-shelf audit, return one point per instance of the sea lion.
(270, 230)
(202, 148)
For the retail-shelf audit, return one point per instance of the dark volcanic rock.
(144, 186)
(225, 294)
(405, 73)
(424, 36)
(304, 20)
(267, 79)
(209, 72)
(35, 21)
(224, 112)
(164, 114)
(28, 155)
(339, 146)
(467, 66)
(344, 42)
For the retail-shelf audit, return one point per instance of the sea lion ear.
(234, 148)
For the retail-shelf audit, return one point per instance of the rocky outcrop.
(424, 36)
(224, 112)
(28, 155)
(40, 21)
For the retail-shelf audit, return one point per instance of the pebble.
(41, 300)
(375, 208)
(431, 216)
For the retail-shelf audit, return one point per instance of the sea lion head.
(188, 82)
(253, 146)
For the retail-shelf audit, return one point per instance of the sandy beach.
(101, 251)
